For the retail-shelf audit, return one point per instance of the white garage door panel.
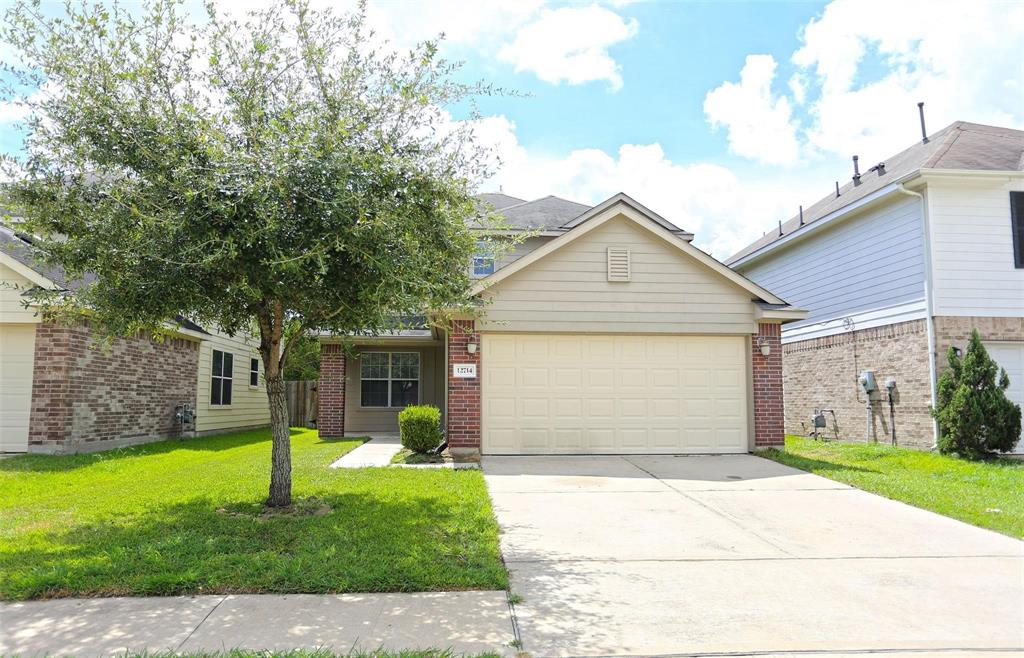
(613, 394)
(17, 346)
(1011, 357)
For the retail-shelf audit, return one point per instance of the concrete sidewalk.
(466, 622)
(378, 451)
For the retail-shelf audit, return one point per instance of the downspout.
(928, 303)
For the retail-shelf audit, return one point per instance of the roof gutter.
(806, 229)
(928, 302)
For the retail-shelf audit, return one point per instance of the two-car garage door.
(587, 394)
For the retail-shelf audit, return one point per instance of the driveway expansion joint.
(713, 510)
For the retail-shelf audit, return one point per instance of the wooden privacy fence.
(302, 403)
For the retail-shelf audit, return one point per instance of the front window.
(221, 378)
(483, 259)
(389, 379)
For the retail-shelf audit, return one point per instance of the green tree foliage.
(303, 359)
(976, 419)
(273, 173)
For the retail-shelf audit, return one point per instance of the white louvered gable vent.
(618, 264)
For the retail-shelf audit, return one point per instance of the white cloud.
(760, 125)
(712, 201)
(863, 65)
(570, 44)
(474, 24)
(962, 59)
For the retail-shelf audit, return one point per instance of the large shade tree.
(271, 173)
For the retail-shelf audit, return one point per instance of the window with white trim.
(483, 259)
(389, 379)
(222, 374)
(254, 372)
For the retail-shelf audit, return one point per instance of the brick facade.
(767, 386)
(331, 391)
(463, 418)
(821, 373)
(956, 331)
(88, 397)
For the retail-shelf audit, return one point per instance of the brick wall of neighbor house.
(768, 397)
(331, 391)
(88, 397)
(956, 331)
(464, 393)
(821, 373)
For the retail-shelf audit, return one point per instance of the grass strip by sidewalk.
(989, 494)
(182, 517)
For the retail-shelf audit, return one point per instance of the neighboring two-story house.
(895, 267)
(604, 331)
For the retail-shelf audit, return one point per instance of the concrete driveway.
(706, 554)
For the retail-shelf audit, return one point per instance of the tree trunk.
(271, 321)
(281, 453)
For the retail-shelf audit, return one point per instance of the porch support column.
(331, 398)
(463, 392)
(769, 419)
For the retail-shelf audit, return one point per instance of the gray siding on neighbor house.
(871, 261)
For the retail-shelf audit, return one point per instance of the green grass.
(989, 494)
(181, 517)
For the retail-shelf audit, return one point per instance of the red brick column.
(769, 419)
(331, 391)
(463, 392)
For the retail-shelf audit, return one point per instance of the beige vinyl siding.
(568, 290)
(359, 419)
(973, 272)
(17, 354)
(248, 406)
(12, 285)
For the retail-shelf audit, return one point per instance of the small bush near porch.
(185, 517)
(985, 493)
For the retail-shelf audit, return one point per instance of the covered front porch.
(364, 387)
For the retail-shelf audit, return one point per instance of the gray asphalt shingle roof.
(960, 145)
(499, 200)
(548, 213)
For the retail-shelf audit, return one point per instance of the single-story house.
(606, 331)
(895, 266)
(62, 393)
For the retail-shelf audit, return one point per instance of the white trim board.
(862, 320)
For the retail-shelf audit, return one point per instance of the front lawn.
(185, 517)
(987, 494)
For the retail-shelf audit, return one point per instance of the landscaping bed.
(983, 493)
(179, 517)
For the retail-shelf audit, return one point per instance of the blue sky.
(721, 116)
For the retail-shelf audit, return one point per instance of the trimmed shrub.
(976, 419)
(420, 427)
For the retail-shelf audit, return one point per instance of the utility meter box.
(866, 381)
